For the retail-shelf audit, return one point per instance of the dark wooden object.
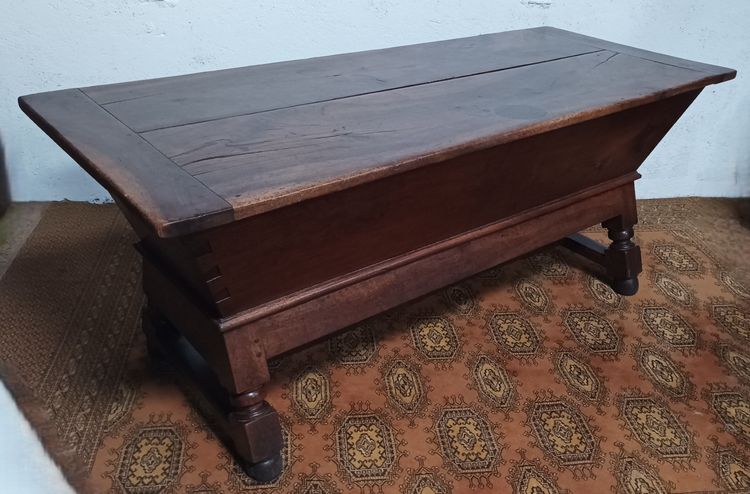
(279, 203)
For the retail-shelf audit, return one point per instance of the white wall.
(50, 44)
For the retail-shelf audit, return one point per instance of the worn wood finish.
(242, 133)
(246, 421)
(280, 203)
(172, 101)
(444, 200)
(162, 194)
(301, 319)
(254, 161)
(556, 35)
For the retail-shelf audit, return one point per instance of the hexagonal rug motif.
(531, 378)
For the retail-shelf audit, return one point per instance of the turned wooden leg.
(256, 432)
(250, 424)
(622, 257)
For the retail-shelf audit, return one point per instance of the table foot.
(628, 286)
(265, 471)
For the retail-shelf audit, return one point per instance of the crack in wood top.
(189, 153)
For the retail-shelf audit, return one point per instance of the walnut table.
(277, 204)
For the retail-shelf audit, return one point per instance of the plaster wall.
(52, 44)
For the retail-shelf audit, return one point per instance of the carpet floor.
(532, 377)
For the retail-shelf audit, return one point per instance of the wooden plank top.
(192, 152)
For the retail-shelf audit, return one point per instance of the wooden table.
(277, 204)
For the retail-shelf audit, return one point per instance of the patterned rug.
(533, 377)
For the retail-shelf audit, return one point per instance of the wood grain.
(291, 248)
(563, 36)
(286, 330)
(194, 152)
(292, 321)
(167, 102)
(263, 162)
(164, 195)
(348, 303)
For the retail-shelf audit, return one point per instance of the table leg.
(256, 434)
(246, 422)
(623, 257)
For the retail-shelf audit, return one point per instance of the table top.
(192, 152)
